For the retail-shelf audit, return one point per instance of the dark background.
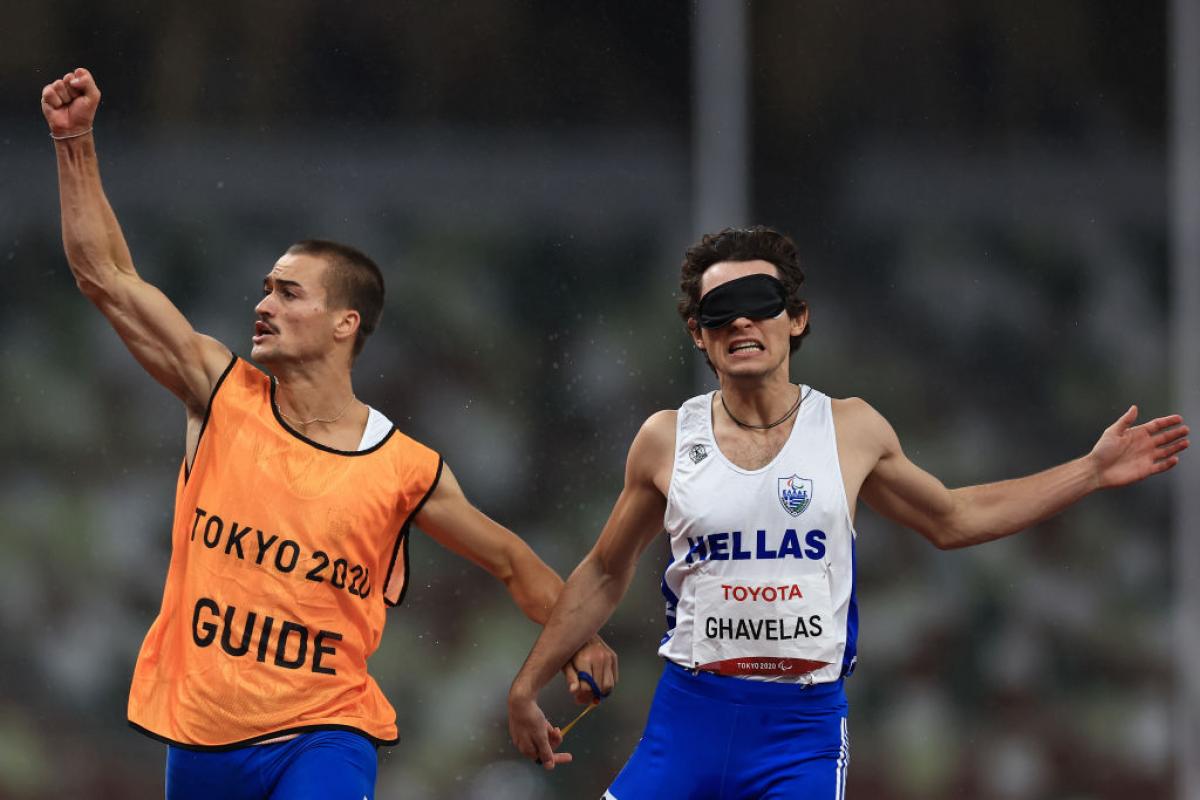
(979, 192)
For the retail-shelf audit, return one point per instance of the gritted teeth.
(740, 346)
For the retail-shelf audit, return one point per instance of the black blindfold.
(753, 297)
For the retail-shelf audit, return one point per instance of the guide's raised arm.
(154, 330)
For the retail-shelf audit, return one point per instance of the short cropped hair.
(352, 280)
(757, 243)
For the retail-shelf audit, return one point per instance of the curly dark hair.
(757, 243)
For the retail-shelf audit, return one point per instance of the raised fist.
(69, 104)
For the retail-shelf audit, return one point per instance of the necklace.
(305, 423)
(768, 426)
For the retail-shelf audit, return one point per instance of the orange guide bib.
(284, 557)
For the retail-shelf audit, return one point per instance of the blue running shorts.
(322, 765)
(714, 737)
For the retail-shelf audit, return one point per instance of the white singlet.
(761, 582)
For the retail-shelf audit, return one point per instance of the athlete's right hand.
(69, 103)
(598, 660)
(531, 732)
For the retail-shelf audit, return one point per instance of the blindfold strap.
(756, 296)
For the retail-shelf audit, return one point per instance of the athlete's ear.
(347, 324)
(799, 321)
(694, 330)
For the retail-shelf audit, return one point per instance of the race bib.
(763, 627)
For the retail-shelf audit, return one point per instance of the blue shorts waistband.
(732, 689)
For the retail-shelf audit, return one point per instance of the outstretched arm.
(450, 519)
(153, 329)
(594, 588)
(950, 518)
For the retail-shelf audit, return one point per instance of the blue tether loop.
(591, 682)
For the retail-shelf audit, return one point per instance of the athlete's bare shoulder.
(857, 413)
(863, 435)
(656, 438)
(200, 367)
(652, 454)
(859, 418)
(660, 426)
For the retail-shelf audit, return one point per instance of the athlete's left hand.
(598, 660)
(531, 732)
(1126, 453)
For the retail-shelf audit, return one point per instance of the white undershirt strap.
(378, 427)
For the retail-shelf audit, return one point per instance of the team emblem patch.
(698, 453)
(795, 493)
